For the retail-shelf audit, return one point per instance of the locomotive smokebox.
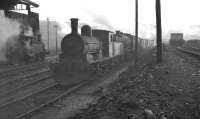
(72, 44)
(74, 25)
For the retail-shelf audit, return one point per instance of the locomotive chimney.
(74, 25)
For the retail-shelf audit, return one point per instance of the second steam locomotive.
(27, 46)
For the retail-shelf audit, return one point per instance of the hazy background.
(177, 15)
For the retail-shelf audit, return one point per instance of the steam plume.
(101, 20)
(9, 28)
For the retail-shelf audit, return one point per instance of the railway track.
(189, 56)
(18, 83)
(31, 103)
(57, 94)
(28, 92)
(15, 84)
(22, 75)
(193, 49)
(22, 96)
(19, 69)
(14, 70)
(189, 51)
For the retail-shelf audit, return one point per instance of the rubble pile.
(150, 91)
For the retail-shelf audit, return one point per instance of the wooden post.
(48, 35)
(56, 33)
(136, 32)
(28, 8)
(159, 31)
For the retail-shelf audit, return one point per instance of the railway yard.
(169, 90)
(18, 83)
(99, 70)
(27, 89)
(30, 92)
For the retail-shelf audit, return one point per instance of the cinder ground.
(171, 88)
(80, 99)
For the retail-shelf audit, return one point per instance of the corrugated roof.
(29, 3)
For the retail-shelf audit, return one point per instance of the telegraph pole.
(48, 34)
(136, 32)
(159, 31)
(56, 32)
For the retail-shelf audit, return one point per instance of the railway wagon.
(106, 37)
(193, 43)
(74, 66)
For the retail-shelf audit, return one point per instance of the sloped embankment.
(169, 90)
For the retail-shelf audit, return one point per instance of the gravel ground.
(78, 100)
(169, 90)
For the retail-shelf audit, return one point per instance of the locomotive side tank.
(92, 45)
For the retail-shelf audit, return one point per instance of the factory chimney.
(74, 25)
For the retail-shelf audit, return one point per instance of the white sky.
(177, 15)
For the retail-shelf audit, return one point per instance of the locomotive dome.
(86, 31)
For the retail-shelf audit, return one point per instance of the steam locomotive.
(25, 48)
(105, 47)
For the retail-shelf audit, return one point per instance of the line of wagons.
(92, 50)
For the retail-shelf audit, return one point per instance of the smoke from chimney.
(9, 28)
(101, 20)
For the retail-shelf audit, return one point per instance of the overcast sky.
(177, 15)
